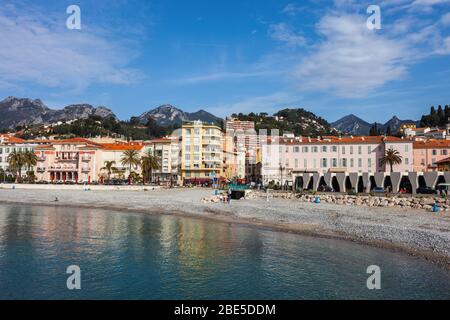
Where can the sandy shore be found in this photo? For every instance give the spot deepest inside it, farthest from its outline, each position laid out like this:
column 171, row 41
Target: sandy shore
column 417, row 232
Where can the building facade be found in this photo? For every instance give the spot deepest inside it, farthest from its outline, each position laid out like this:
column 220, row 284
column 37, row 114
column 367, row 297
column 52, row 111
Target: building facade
column 428, row 152
column 167, row 150
column 282, row 157
column 201, row 152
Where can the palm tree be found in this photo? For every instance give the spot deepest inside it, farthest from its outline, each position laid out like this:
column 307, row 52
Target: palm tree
column 131, row 158
column 30, row 160
column 110, row 168
column 149, row 162
column 16, row 161
column 391, row 157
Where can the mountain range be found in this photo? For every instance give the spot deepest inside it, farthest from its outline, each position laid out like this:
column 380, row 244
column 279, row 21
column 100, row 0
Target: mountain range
column 19, row 112
column 168, row 115
column 352, row 124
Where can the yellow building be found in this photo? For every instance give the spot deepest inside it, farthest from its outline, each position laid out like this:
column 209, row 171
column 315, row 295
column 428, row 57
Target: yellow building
column 201, row 152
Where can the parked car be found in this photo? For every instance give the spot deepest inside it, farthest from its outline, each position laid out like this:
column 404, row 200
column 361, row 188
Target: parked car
column 378, row 190
column 326, row 189
column 426, row 190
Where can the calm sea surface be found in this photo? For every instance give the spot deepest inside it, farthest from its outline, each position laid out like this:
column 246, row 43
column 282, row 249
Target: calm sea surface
column 138, row 256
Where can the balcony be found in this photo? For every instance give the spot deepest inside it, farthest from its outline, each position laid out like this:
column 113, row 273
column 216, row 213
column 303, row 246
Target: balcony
column 211, row 142
column 41, row 169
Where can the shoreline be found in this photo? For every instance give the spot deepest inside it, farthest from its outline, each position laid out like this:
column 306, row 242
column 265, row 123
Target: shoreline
column 221, row 213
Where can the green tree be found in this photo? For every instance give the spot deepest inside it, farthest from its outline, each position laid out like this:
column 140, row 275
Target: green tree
column 16, row 161
column 109, row 168
column 131, row 158
column 149, row 162
column 391, row 157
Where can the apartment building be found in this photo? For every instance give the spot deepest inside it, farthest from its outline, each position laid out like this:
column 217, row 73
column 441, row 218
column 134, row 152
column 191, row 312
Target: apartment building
column 9, row 144
column 284, row 156
column 428, row 153
column 201, row 152
column 167, row 150
column 245, row 140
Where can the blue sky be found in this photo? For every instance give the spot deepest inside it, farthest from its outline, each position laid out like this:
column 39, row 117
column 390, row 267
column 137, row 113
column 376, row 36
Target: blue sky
column 230, row 56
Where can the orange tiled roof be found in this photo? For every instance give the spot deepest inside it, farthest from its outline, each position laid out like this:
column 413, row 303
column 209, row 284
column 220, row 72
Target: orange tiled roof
column 341, row 140
column 160, row 140
column 121, row 146
column 431, row 144
column 446, row 160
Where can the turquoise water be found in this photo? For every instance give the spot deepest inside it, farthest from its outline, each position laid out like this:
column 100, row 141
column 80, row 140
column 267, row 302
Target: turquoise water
column 138, row 256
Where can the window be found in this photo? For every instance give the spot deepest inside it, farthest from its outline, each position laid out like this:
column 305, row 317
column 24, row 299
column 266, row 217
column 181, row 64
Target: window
column 296, row 149
column 406, row 161
column 324, row 148
column 406, row 148
column 369, row 150
column 334, row 163
column 314, row 149
column 343, row 150
column 287, row 149
column 352, row 162
column 359, row 163
column 324, row 162
column 187, row 148
column 344, row 162
column 187, row 157
column 444, row 152
column 305, row 149
column 434, row 152
column 334, row 148
column 287, row 163
column 359, row 150
column 369, row 163
column 351, row 149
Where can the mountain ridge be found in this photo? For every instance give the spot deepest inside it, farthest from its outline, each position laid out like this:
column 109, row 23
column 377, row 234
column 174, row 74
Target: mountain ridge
column 352, row 124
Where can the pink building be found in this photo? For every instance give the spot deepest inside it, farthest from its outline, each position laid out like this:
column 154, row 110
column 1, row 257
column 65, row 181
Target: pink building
column 428, row 152
column 78, row 160
column 287, row 156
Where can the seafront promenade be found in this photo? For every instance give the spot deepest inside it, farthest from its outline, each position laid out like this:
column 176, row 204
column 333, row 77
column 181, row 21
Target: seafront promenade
column 418, row 232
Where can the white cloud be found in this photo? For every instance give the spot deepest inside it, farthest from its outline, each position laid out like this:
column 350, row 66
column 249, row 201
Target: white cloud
column 352, row 61
column 446, row 19
column 291, row 9
column 284, row 33
column 37, row 48
column 221, row 75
